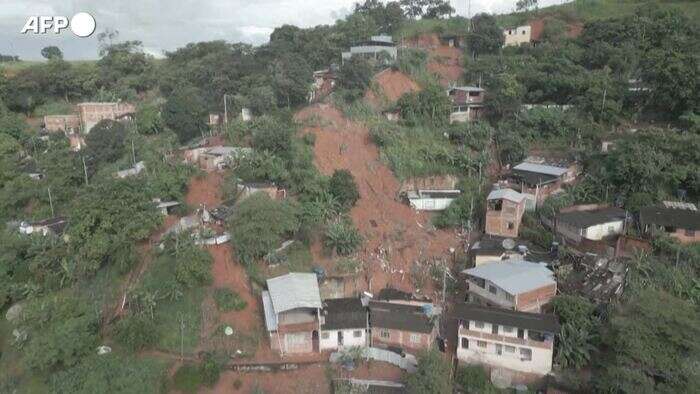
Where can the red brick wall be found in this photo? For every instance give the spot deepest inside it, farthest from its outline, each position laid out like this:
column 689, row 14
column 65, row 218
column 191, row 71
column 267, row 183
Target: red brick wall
column 402, row 339
column 529, row 301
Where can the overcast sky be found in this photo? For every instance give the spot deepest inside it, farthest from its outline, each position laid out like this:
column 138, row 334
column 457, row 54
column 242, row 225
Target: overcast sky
column 168, row 24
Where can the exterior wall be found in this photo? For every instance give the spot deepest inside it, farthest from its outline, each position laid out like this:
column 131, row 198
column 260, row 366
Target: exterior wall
column 92, row 113
column 431, row 204
column 349, row 339
column 482, row 293
column 436, row 182
column 56, row 123
column 468, row 114
column 685, row 236
column 534, row 300
column 402, row 339
column 517, row 35
column 371, row 51
column 541, row 193
column 497, row 222
column 600, row 231
column 293, row 342
column 510, row 356
column 569, row 232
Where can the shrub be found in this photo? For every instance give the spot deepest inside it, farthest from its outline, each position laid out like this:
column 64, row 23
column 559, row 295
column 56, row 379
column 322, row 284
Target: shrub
column 342, row 237
column 343, row 187
column 136, row 332
column 227, row 300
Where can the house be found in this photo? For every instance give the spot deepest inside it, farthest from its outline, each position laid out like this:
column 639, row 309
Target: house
column 135, row 170
column 504, row 211
column 431, row 200
column 76, row 141
column 432, row 182
column 589, row 222
column 292, row 306
column 373, row 48
column 92, row 113
column 494, row 248
column 678, row 220
column 467, row 103
column 55, row 226
column 395, row 296
column 222, row 212
column 247, row 189
column 409, row 327
column 516, row 36
column 518, row 285
column 165, row 207
column 62, row 123
column 219, row 157
column 214, row 120
column 452, row 41
column 324, row 83
column 537, row 181
column 520, row 342
column 344, row 324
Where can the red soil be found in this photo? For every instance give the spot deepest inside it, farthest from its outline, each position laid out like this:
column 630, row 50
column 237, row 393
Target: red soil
column 306, row 379
column 205, row 190
column 445, row 61
column 392, row 84
column 395, row 235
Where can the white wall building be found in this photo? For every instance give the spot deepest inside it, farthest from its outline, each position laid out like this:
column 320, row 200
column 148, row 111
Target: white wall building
column 431, row 200
column 593, row 225
column 343, row 324
column 498, row 338
column 517, row 35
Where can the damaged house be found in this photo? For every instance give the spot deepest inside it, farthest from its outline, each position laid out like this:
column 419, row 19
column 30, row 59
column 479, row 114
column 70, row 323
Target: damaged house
column 504, row 212
column 678, row 220
column 538, row 181
column 467, row 103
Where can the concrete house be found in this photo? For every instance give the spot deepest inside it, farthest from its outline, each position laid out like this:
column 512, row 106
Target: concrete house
column 467, row 103
column 516, row 36
column 373, row 48
column 53, row 226
column 432, row 182
column 678, row 220
column 389, row 294
column 135, row 170
column 518, row 285
column 344, row 324
column 579, row 223
column 165, row 207
column 492, row 248
column 247, row 189
column 292, row 306
column 408, row 327
column 537, row 181
column 519, row 342
column 504, row 211
column 431, row 200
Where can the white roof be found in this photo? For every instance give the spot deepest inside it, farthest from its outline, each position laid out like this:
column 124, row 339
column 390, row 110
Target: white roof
column 270, row 317
column 541, row 169
column 505, row 194
column 294, row 290
column 515, row 277
column 468, row 88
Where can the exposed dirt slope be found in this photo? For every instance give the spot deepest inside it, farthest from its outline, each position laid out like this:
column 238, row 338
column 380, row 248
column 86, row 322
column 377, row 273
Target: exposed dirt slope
column 395, row 235
column 392, row 85
column 445, row 61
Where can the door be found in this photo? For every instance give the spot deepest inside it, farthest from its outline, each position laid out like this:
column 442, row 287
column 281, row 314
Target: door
column 521, row 333
column 340, row 338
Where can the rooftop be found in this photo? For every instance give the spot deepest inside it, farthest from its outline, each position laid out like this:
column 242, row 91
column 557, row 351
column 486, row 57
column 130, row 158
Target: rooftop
column 541, row 169
column 344, row 313
column 525, row 320
column 399, row 317
column 467, row 88
column 294, row 290
column 391, row 294
column 584, row 219
column 683, row 218
column 515, row 277
column 505, row 194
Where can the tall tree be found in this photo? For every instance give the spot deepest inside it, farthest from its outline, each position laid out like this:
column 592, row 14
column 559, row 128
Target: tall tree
column 185, row 114
column 486, row 36
column 52, row 52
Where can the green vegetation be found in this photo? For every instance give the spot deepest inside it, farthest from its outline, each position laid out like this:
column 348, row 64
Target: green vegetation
column 432, row 376
column 342, row 237
column 227, row 300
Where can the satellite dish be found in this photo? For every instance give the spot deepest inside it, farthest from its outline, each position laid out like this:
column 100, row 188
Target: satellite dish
column 228, row 331
column 508, row 244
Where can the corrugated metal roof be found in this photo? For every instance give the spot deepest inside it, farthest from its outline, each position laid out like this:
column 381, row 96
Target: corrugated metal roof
column 531, row 321
column 505, row 194
column 270, row 316
column 541, row 169
column 514, row 277
column 294, row 290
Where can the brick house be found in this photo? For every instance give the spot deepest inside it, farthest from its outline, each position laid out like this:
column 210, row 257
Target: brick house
column 520, row 342
column 344, row 324
column 467, row 103
column 504, row 211
column 518, row 285
column 92, row 113
column 408, row 327
column 680, row 221
column 292, row 307
column 62, row 123
column 539, row 181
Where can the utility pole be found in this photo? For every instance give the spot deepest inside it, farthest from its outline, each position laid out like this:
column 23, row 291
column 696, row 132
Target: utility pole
column 225, row 110
column 605, row 93
column 182, row 337
column 133, row 152
column 85, row 171
column 51, row 202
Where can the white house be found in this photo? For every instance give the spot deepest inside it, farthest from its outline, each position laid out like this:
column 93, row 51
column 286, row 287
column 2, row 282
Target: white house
column 135, row 170
column 517, row 35
column 499, row 338
column 344, row 324
column 431, row 200
column 593, row 225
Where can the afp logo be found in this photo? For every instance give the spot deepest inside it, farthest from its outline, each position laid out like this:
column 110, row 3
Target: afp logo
column 82, row 24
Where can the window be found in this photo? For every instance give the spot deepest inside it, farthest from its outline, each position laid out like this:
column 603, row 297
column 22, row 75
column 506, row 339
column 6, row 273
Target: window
column 510, row 349
column 415, row 338
column 494, row 329
column 357, row 333
column 478, row 281
column 481, row 344
column 499, row 349
column 689, row 233
column 493, row 289
column 525, row 354
column 465, row 343
column 507, row 329
column 510, row 297
column 535, row 336
column 511, row 225
column 384, row 333
column 479, row 324
column 325, row 335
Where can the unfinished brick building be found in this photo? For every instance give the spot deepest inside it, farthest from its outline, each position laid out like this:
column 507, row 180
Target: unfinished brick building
column 504, row 211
